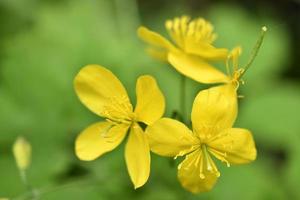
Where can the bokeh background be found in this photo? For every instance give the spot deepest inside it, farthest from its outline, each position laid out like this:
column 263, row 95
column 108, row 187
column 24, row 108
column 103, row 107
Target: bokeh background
column 43, row 44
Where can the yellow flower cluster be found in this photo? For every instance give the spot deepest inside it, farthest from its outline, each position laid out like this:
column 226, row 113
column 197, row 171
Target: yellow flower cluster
column 213, row 114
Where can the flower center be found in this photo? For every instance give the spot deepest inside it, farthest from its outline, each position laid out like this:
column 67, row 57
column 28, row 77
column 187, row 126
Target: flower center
column 119, row 110
column 207, row 162
column 235, row 80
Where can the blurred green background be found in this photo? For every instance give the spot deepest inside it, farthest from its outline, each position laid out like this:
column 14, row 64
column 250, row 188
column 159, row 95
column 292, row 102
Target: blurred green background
column 43, row 44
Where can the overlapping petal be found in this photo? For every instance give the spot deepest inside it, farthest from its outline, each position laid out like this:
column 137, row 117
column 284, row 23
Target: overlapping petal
column 187, row 33
column 196, row 68
column 169, row 137
column 98, row 139
column 207, row 51
column 161, row 55
column 154, row 38
column 102, row 92
column 237, row 144
column 150, row 100
column 214, row 110
column 189, row 174
column 234, row 57
column 137, row 156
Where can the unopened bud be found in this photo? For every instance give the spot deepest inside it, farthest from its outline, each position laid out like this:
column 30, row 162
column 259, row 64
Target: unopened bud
column 22, row 153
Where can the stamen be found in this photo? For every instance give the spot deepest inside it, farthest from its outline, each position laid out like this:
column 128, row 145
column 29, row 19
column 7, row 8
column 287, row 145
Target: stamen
column 219, row 155
column 210, row 164
column 186, row 151
column 179, row 166
column 184, row 31
column 104, row 132
column 197, row 160
column 208, row 131
column 173, row 27
column 214, row 167
column 201, row 174
column 111, row 136
column 118, row 110
column 191, row 163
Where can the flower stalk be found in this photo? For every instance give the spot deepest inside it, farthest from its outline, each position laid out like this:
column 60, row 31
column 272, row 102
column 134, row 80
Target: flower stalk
column 183, row 97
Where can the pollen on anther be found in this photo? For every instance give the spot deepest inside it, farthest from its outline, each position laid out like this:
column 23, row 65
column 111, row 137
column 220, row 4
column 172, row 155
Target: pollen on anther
column 264, row 28
column 202, row 176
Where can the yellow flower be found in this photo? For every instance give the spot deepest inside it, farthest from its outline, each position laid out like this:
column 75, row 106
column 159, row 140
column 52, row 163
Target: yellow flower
column 102, row 93
column 193, row 49
column 22, row 153
column 213, row 115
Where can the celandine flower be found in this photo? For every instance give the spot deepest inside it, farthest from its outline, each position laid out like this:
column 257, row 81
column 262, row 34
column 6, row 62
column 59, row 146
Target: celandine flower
column 213, row 115
column 101, row 92
column 193, row 49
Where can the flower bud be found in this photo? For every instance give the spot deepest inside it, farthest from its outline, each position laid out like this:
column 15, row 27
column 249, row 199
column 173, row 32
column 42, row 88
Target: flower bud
column 22, row 153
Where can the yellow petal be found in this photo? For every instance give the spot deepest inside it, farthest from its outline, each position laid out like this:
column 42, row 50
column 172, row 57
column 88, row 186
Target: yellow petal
column 195, row 37
column 150, row 100
column 190, row 177
column 154, row 38
column 237, row 143
column 234, row 56
column 22, row 153
column 183, row 31
column 207, row 51
column 196, row 68
column 168, row 137
column 177, row 29
column 161, row 55
column 98, row 139
column 102, row 92
column 214, row 110
column 137, row 155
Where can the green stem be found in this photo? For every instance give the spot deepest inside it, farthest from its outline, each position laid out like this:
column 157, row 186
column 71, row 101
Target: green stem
column 47, row 190
column 127, row 16
column 30, row 190
column 182, row 97
column 255, row 50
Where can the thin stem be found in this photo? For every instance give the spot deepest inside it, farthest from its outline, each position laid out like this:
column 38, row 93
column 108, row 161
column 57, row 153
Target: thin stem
column 30, row 190
column 182, row 97
column 47, row 190
column 255, row 49
column 127, row 17
column 68, row 185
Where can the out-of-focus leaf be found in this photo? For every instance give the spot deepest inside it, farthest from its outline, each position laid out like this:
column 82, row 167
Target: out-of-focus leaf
column 273, row 116
column 251, row 181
